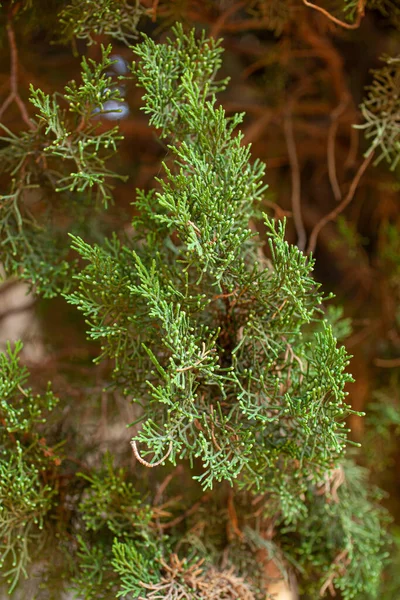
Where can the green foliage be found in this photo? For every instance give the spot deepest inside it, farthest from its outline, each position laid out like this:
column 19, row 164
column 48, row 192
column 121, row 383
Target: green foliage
column 390, row 257
column 20, row 410
column 341, row 326
column 93, row 577
column 135, row 570
column 337, row 542
column 118, row 548
column 383, row 426
column 340, row 536
column 179, row 78
column 391, row 583
column 89, row 18
column 25, row 501
column 351, row 8
column 64, row 152
column 381, row 109
column 83, row 145
column 27, row 468
column 120, row 502
column 207, row 334
column 348, row 234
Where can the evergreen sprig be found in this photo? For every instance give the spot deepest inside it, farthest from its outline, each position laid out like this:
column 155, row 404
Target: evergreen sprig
column 340, row 541
column 64, row 153
column 20, row 409
column 381, row 111
column 118, row 546
column 217, row 344
column 27, row 468
column 25, row 501
column 88, row 18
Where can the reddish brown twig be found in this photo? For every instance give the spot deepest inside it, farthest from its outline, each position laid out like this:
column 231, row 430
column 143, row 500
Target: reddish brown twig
column 187, row 513
column 154, row 10
column 327, row 52
column 278, row 210
column 256, row 129
column 341, row 561
column 164, row 484
column 226, row 295
column 355, row 25
column 335, row 114
column 219, row 23
column 245, row 25
column 14, row 94
column 233, row 523
column 387, row 363
column 334, row 213
column 353, row 148
column 296, row 182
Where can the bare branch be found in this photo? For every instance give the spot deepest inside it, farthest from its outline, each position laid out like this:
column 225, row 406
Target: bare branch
column 387, row 363
column 335, row 114
column 334, row 213
column 14, row 94
column 296, row 182
column 355, row 25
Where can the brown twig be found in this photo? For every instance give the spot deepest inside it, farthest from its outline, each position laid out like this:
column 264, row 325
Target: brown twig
column 355, row 25
column 335, row 114
column 279, row 309
column 328, row 53
column 154, row 10
column 187, row 513
column 353, row 148
column 254, row 131
column 334, row 213
column 203, row 355
column 218, row 296
column 14, row 94
column 23, row 392
column 387, row 363
column 219, row 23
column 145, row 462
column 233, row 523
column 164, row 484
column 218, row 447
column 278, row 210
column 245, row 25
column 343, row 558
column 296, row 182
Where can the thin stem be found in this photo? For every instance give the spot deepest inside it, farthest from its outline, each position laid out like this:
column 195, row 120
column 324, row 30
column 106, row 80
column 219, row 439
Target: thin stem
column 331, row 147
column 353, row 148
column 219, row 23
column 355, row 25
column 334, row 213
column 387, row 363
column 14, row 94
column 154, row 10
column 296, row 182
column 186, row 514
column 164, row 484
